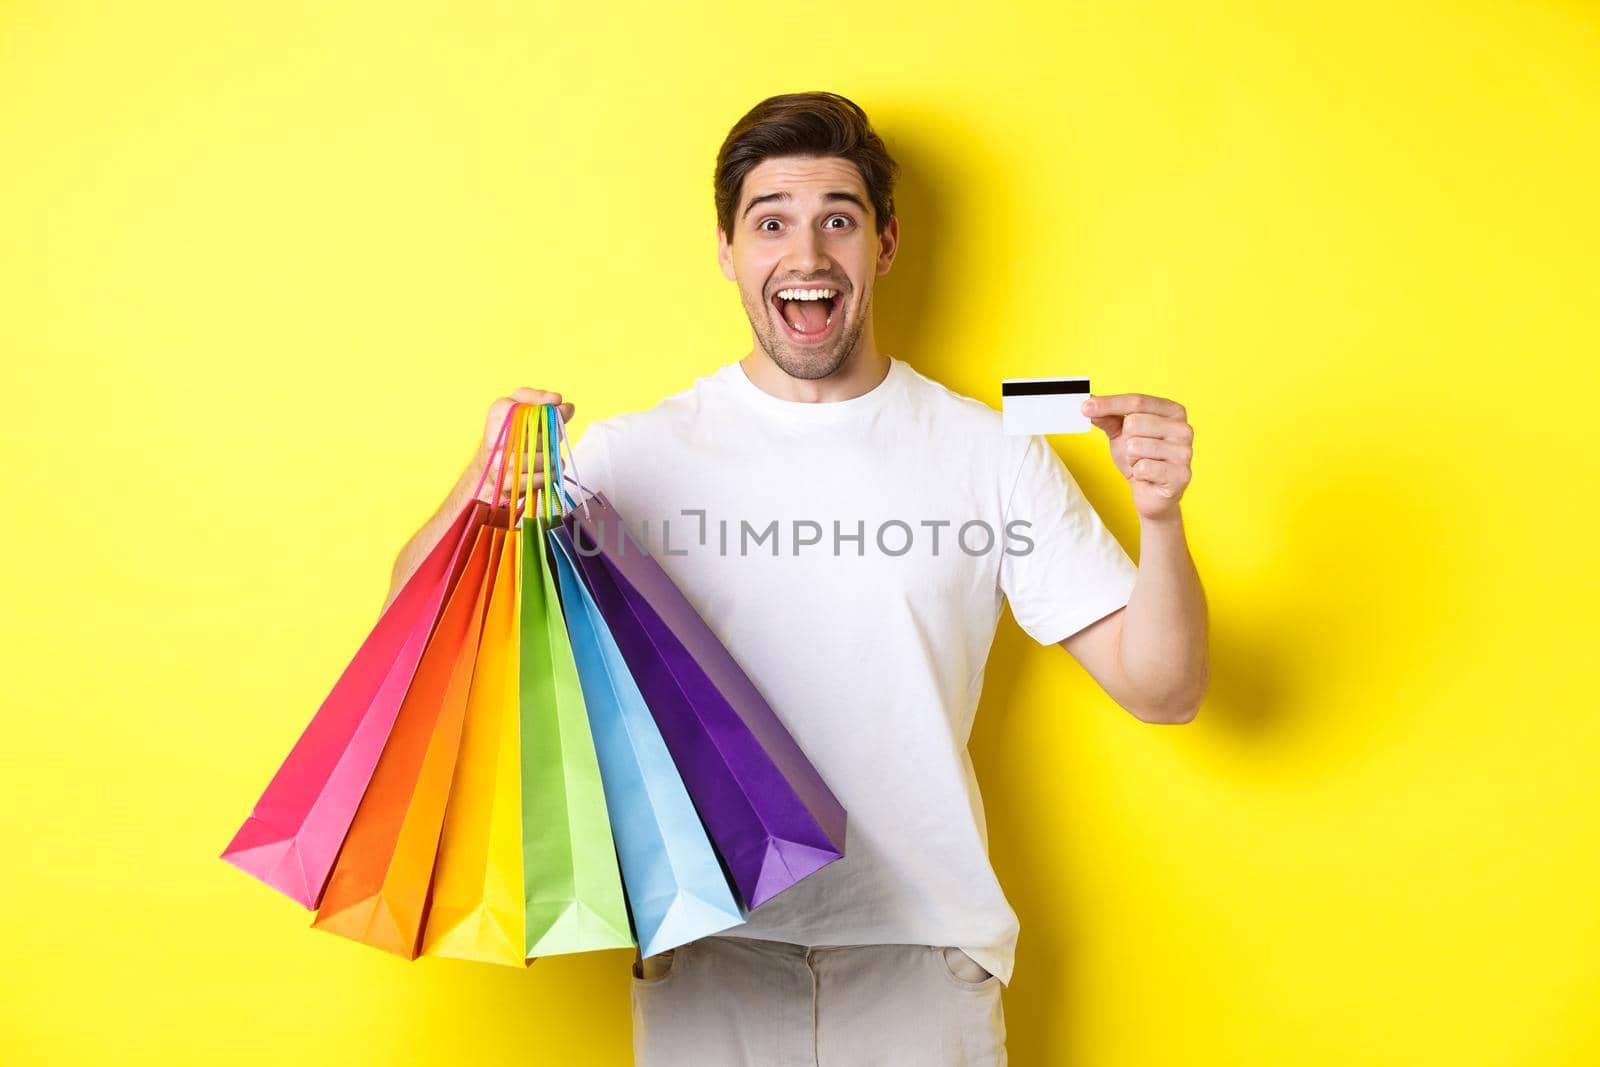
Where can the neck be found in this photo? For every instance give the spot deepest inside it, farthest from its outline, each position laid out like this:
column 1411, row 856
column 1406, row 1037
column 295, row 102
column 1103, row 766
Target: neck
column 862, row 372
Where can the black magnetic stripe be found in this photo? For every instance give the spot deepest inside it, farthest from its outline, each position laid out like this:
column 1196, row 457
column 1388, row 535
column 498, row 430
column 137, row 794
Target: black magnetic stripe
column 1042, row 388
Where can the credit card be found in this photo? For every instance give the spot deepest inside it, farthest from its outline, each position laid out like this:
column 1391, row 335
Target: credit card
column 1044, row 405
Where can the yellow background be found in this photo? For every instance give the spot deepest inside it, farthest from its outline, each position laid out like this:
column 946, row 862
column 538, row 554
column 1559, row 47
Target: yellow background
column 264, row 266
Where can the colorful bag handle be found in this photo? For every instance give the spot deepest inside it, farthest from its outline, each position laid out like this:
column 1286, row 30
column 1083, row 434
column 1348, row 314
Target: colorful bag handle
column 554, row 436
column 516, row 459
column 542, row 444
column 518, row 447
column 561, row 430
column 549, row 504
column 499, row 443
column 512, row 460
column 553, row 474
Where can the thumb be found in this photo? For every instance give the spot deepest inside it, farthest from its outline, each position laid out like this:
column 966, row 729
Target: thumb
column 1111, row 424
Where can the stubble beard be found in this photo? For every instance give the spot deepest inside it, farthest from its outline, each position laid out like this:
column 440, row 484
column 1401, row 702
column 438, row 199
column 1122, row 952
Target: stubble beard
column 809, row 365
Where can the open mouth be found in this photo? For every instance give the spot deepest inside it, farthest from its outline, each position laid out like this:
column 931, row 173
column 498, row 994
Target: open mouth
column 808, row 316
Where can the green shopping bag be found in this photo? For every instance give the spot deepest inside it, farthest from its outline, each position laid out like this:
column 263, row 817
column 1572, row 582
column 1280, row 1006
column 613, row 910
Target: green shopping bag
column 572, row 882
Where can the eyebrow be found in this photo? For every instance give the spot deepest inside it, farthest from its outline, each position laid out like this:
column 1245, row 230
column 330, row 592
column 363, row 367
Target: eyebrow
column 837, row 194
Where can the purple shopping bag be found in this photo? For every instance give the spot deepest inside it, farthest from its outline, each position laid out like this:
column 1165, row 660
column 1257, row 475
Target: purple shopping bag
column 766, row 809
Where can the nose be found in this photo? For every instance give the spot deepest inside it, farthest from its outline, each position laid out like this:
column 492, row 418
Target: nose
column 808, row 256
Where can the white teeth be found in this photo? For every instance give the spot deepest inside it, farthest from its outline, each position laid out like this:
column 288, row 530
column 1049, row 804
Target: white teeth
column 806, row 294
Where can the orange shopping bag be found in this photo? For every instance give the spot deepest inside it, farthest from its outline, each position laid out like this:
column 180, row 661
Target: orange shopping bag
column 293, row 835
column 379, row 884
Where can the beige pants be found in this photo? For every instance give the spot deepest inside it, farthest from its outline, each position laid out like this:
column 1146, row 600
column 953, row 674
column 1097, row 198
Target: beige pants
column 738, row 1002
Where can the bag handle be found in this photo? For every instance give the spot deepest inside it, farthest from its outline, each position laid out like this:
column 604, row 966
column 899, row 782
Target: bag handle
column 511, row 462
column 544, row 440
column 549, row 507
column 561, row 426
column 554, row 469
column 517, row 448
column 554, row 436
column 499, row 443
column 515, row 459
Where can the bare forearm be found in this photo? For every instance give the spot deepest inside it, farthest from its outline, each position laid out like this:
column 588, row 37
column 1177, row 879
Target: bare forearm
column 1164, row 646
column 425, row 539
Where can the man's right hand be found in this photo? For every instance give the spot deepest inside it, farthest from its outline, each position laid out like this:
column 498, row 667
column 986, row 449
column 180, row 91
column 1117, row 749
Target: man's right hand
column 487, row 459
column 489, row 455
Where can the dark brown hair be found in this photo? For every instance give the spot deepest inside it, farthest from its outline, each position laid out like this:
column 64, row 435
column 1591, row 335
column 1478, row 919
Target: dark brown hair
column 805, row 124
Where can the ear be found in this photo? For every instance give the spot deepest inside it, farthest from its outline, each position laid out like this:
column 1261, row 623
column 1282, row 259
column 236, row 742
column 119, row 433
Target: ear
column 888, row 244
column 725, row 255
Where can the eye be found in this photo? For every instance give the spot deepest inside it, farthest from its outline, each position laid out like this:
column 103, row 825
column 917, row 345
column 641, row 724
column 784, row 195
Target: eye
column 846, row 218
column 762, row 225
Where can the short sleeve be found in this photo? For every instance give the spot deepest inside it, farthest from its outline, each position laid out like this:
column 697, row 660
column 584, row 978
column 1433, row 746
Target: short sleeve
column 1062, row 569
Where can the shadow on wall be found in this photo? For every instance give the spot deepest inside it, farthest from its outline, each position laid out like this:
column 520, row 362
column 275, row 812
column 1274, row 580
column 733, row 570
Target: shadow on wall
column 1330, row 554
column 919, row 279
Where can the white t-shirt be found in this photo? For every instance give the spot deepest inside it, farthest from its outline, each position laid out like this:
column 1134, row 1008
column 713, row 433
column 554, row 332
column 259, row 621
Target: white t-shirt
column 852, row 557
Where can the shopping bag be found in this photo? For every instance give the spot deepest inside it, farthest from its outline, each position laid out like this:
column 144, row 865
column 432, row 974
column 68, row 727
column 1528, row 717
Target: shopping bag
column 293, row 833
column 475, row 908
column 768, row 812
column 676, row 888
column 379, row 885
column 573, row 884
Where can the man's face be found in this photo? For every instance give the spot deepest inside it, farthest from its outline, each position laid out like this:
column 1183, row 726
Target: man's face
column 805, row 223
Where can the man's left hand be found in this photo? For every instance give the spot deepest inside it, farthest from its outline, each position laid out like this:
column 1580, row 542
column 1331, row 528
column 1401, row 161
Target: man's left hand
column 1151, row 444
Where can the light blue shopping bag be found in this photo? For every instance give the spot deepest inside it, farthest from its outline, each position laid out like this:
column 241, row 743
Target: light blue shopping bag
column 676, row 888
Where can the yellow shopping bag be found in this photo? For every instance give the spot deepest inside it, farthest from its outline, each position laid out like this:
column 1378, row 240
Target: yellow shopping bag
column 476, row 910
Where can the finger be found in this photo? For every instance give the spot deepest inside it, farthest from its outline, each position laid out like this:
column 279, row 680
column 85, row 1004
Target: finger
column 530, row 482
column 497, row 413
column 1111, row 424
column 502, row 405
column 1157, row 448
column 535, row 396
column 531, row 478
column 498, row 456
column 1143, row 424
column 1159, row 472
column 1129, row 403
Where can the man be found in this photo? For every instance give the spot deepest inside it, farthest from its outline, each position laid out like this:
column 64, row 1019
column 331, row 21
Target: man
column 848, row 528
